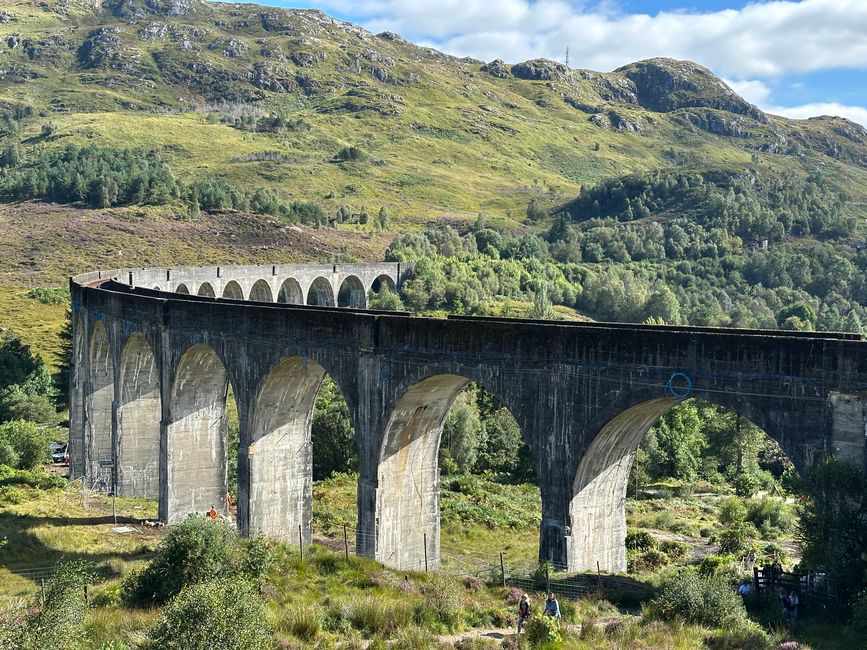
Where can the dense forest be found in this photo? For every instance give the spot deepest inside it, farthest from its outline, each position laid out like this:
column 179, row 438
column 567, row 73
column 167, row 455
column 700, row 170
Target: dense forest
column 667, row 247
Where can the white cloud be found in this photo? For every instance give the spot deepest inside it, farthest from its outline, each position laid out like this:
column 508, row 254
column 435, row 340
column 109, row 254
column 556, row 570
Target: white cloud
column 854, row 113
column 753, row 90
column 760, row 40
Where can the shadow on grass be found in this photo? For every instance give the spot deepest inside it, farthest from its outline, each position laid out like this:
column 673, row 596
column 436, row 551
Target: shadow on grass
column 27, row 556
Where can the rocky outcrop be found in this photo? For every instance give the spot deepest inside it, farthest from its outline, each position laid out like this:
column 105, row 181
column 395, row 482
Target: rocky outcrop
column 614, row 121
column 497, row 68
column 231, row 47
column 272, row 78
column 104, row 50
column 718, row 123
column 666, row 85
column 141, row 9
column 582, row 106
column 307, row 59
column 611, row 88
column 541, row 70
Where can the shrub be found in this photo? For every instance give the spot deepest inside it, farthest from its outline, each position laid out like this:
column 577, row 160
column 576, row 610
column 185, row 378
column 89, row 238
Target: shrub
column 702, row 600
column 196, row 550
column 770, row 516
column 28, row 441
column 39, row 479
column 711, row 565
column 639, row 540
column 49, row 295
column 773, row 551
column 650, row 560
column 223, row 614
column 737, row 538
column 351, row 154
column 732, row 511
column 60, row 621
column 541, row 630
column 674, row 550
column 746, row 485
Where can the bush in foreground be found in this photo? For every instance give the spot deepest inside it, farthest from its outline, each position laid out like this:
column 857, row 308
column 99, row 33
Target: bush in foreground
column 194, row 551
column 703, row 600
column 59, row 622
column 226, row 614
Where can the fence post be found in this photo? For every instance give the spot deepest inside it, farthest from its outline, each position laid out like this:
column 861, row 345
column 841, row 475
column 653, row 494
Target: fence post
column 547, row 580
column 300, row 543
column 502, row 568
column 345, row 543
column 598, row 577
column 425, row 552
column 42, row 582
column 86, row 597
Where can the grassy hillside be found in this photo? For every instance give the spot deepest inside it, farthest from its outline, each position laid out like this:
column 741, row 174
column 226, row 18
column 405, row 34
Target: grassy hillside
column 443, row 135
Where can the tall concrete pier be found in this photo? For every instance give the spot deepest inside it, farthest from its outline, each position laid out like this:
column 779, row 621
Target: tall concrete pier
column 155, row 351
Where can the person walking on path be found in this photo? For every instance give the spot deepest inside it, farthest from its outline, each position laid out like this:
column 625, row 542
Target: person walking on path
column 523, row 612
column 552, row 607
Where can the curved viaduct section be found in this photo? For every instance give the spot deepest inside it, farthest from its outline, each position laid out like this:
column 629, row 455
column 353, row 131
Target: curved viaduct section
column 152, row 366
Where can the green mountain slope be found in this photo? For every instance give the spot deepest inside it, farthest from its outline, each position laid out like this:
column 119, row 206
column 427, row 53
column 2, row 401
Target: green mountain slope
column 268, row 97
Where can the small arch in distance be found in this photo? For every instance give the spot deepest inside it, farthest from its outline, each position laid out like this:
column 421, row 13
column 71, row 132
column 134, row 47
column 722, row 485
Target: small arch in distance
column 206, row 290
column 290, row 292
column 182, row 289
column 261, row 292
column 351, row 293
column 233, row 291
column 320, row 293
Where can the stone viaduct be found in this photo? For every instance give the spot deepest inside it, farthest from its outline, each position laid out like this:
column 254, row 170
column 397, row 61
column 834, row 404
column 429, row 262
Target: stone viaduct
column 155, row 350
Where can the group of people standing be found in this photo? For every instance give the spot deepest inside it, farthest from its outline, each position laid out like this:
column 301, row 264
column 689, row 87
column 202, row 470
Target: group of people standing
column 552, row 609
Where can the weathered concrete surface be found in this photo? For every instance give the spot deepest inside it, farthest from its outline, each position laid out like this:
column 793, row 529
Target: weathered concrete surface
column 99, row 408
column 582, row 394
column 280, row 454
column 196, row 455
column 138, row 421
column 408, row 504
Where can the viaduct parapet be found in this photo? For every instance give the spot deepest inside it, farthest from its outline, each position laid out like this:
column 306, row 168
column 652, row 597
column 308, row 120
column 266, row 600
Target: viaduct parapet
column 155, row 350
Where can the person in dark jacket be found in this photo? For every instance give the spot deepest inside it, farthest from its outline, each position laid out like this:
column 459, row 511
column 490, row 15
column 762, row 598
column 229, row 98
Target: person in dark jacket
column 523, row 612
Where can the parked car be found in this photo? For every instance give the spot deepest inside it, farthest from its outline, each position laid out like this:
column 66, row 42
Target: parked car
column 59, row 453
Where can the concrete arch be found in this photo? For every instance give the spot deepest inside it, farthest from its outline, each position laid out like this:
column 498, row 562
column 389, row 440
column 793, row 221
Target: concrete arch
column 597, row 511
column 320, row 293
column 382, row 281
column 99, row 404
column 233, row 291
column 291, row 292
column 352, row 294
column 206, row 290
column 138, row 420
column 182, row 289
column 408, row 476
column 197, row 430
column 261, row 292
column 280, row 454
column 157, row 289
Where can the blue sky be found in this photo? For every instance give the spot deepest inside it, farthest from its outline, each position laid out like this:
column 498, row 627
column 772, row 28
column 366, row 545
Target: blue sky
column 792, row 57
